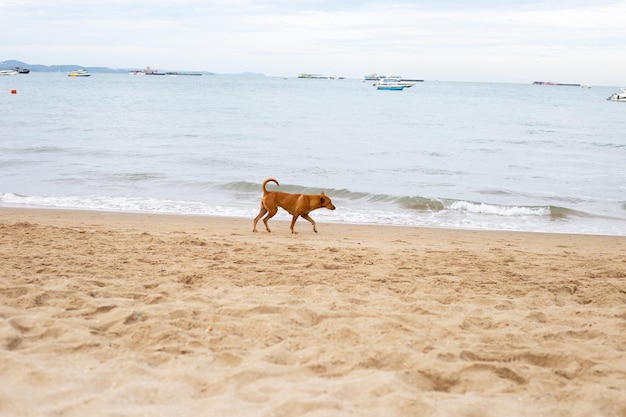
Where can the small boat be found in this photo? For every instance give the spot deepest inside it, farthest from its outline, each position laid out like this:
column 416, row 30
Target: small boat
column 372, row 77
column 152, row 71
column 22, row 70
column 79, row 73
column 377, row 77
column 8, row 72
column 618, row 96
column 393, row 84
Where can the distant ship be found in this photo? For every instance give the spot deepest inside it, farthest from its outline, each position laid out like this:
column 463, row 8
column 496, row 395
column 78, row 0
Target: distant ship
column 150, row 71
column 176, row 73
column 551, row 83
column 377, row 77
column 320, row 77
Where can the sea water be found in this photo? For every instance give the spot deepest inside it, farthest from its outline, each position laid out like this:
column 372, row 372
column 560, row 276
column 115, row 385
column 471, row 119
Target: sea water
column 439, row 154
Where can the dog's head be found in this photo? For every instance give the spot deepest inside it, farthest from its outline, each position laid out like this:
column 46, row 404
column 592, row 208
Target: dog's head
column 325, row 202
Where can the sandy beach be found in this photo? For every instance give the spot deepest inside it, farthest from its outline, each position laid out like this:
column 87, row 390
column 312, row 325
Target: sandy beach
column 106, row 314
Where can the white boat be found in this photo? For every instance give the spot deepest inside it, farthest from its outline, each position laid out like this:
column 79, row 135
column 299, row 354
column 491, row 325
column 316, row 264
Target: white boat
column 377, row 77
column 79, row 73
column 618, row 96
column 150, row 71
column 9, row 72
column 147, row 71
column 394, row 84
column 373, row 77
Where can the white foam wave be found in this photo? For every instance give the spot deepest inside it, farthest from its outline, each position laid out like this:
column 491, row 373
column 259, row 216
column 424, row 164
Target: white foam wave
column 509, row 211
column 459, row 215
column 122, row 204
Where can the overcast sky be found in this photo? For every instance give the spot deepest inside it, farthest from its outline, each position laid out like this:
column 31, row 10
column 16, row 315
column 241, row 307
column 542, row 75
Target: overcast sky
column 581, row 41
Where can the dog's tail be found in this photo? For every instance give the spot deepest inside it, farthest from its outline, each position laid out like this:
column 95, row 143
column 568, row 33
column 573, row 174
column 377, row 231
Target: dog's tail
column 265, row 183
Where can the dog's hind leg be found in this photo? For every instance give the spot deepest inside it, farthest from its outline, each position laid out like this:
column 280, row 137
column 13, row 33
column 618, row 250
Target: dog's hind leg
column 307, row 217
column 257, row 218
column 270, row 213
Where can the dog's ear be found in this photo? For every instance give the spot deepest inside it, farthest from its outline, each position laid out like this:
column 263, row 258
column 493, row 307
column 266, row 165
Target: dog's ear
column 322, row 199
column 323, row 193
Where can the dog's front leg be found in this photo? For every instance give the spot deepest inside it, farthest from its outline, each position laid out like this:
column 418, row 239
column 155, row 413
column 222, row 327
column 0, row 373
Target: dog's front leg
column 306, row 216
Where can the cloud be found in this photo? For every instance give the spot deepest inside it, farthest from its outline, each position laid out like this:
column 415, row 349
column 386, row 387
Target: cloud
column 511, row 40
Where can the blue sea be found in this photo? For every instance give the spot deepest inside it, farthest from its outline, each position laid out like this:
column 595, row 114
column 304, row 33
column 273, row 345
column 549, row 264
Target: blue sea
column 439, row 154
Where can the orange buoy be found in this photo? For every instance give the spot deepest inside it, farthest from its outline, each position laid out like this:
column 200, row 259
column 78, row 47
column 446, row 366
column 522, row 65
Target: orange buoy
column 13, row 91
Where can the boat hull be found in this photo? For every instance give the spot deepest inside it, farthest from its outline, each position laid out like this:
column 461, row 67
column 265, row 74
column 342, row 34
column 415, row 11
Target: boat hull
column 393, row 84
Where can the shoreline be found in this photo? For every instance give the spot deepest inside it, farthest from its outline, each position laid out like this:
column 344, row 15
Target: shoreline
column 61, row 213
column 196, row 315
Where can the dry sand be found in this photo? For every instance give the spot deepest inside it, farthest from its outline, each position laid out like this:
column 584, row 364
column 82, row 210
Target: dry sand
column 133, row 315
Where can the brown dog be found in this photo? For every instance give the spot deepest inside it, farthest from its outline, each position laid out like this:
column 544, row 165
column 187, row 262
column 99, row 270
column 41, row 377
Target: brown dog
column 298, row 205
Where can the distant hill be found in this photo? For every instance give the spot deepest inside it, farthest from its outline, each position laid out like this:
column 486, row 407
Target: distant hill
column 11, row 63
column 55, row 68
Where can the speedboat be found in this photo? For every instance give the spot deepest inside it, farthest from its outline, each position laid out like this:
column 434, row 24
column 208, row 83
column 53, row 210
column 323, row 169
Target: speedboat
column 618, row 96
column 79, row 73
column 14, row 71
column 394, row 84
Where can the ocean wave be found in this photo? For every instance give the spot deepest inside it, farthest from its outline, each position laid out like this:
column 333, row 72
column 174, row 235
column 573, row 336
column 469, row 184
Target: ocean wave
column 609, row 145
column 421, row 203
column 255, row 187
column 414, row 203
column 126, row 204
column 406, row 211
column 500, row 210
column 40, row 150
column 242, row 186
